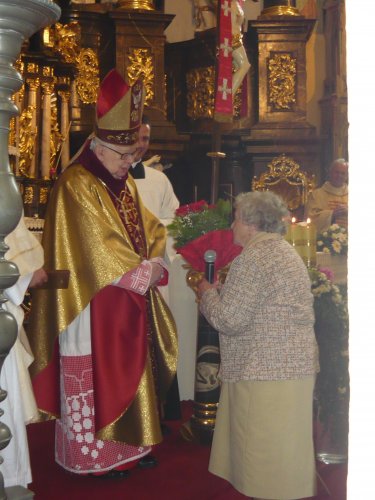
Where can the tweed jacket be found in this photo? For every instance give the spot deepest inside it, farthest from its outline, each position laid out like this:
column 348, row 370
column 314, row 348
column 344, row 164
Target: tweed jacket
column 264, row 314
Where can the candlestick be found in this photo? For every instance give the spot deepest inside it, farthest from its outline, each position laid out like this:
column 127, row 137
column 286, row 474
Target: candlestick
column 293, row 234
column 305, row 244
column 311, row 244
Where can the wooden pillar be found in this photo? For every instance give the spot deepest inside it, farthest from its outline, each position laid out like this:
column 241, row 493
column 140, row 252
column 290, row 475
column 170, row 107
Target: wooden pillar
column 140, row 42
column 282, row 74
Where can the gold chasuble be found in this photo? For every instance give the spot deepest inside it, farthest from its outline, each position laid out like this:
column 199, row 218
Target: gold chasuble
column 84, row 233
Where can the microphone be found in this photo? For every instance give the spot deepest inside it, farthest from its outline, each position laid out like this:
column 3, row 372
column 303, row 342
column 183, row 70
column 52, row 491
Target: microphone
column 209, row 258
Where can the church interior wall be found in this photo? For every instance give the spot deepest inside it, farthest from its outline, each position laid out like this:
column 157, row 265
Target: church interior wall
column 173, row 48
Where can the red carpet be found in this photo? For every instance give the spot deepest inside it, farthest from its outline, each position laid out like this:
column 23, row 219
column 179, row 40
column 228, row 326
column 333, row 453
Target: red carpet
column 181, row 474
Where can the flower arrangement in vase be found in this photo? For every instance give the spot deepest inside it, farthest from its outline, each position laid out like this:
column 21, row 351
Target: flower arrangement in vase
column 332, row 384
column 333, row 241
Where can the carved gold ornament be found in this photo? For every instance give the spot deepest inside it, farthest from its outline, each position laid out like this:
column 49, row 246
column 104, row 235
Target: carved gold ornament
column 140, row 65
column 27, row 140
column 33, row 83
column 28, row 195
column 285, row 178
column 32, row 68
column 87, row 82
column 282, row 70
column 43, row 195
column 56, row 138
column 200, row 92
column 64, row 39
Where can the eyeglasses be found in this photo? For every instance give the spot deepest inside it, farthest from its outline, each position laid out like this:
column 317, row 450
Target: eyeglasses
column 123, row 156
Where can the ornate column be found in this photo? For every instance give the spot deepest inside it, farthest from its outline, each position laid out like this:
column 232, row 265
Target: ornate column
column 33, row 85
column 48, row 88
column 64, row 94
column 19, row 19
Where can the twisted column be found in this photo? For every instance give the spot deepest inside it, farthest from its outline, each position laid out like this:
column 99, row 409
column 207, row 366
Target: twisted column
column 19, row 19
column 33, row 84
column 65, row 126
column 46, row 130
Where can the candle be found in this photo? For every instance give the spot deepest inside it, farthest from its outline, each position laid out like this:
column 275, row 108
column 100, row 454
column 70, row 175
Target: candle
column 311, row 244
column 293, row 233
column 304, row 242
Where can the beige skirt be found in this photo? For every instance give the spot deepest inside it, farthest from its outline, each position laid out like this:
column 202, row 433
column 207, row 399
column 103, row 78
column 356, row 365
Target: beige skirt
column 263, row 440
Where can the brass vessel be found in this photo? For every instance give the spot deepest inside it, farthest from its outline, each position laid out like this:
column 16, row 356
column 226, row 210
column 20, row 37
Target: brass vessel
column 136, row 4
column 279, row 8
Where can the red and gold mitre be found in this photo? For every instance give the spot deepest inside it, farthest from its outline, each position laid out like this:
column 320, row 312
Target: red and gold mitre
column 119, row 109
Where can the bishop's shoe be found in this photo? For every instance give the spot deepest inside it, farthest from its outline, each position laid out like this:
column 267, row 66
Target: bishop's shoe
column 147, row 462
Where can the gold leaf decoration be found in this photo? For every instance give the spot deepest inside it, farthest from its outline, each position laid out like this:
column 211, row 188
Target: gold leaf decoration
column 140, row 65
column 282, row 69
column 87, row 81
column 200, row 92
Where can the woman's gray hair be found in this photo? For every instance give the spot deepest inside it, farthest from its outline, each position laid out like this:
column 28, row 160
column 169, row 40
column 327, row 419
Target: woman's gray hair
column 264, row 209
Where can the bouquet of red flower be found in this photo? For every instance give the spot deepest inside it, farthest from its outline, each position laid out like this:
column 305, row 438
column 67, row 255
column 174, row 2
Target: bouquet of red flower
column 199, row 227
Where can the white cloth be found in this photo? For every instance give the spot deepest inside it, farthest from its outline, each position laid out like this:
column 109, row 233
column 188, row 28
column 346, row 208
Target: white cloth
column 19, row 406
column 158, row 196
column 185, row 312
column 322, row 202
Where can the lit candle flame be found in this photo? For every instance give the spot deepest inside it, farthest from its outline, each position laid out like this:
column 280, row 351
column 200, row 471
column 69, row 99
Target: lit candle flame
column 293, row 220
column 308, row 221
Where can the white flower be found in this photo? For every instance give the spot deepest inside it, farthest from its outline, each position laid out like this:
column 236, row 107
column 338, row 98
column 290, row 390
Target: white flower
column 337, row 299
column 341, row 237
column 334, row 227
column 326, row 250
column 336, row 245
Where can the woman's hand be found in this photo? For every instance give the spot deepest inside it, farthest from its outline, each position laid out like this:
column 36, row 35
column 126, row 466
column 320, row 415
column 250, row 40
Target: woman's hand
column 204, row 285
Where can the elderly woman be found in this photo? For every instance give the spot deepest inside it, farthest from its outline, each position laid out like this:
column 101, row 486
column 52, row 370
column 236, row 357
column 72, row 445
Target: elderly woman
column 263, row 441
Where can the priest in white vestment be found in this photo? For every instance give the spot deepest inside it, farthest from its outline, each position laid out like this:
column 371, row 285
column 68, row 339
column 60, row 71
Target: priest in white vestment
column 329, row 204
column 19, row 406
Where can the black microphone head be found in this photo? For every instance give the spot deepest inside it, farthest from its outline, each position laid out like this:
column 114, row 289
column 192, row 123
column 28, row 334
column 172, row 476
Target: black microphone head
column 210, row 256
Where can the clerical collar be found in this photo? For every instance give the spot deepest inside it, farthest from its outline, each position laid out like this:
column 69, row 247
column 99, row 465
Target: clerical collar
column 138, row 171
column 91, row 162
column 338, row 191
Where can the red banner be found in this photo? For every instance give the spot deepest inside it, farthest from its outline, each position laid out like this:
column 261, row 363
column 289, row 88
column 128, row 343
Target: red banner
column 223, row 90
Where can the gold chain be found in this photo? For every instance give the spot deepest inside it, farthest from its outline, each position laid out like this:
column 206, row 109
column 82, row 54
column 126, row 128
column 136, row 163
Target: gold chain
column 113, row 194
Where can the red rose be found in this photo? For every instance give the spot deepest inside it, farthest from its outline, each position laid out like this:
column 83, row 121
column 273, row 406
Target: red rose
column 198, row 206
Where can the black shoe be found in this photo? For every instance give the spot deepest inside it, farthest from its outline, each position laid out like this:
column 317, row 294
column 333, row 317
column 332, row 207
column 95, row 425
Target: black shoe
column 112, row 474
column 147, row 462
